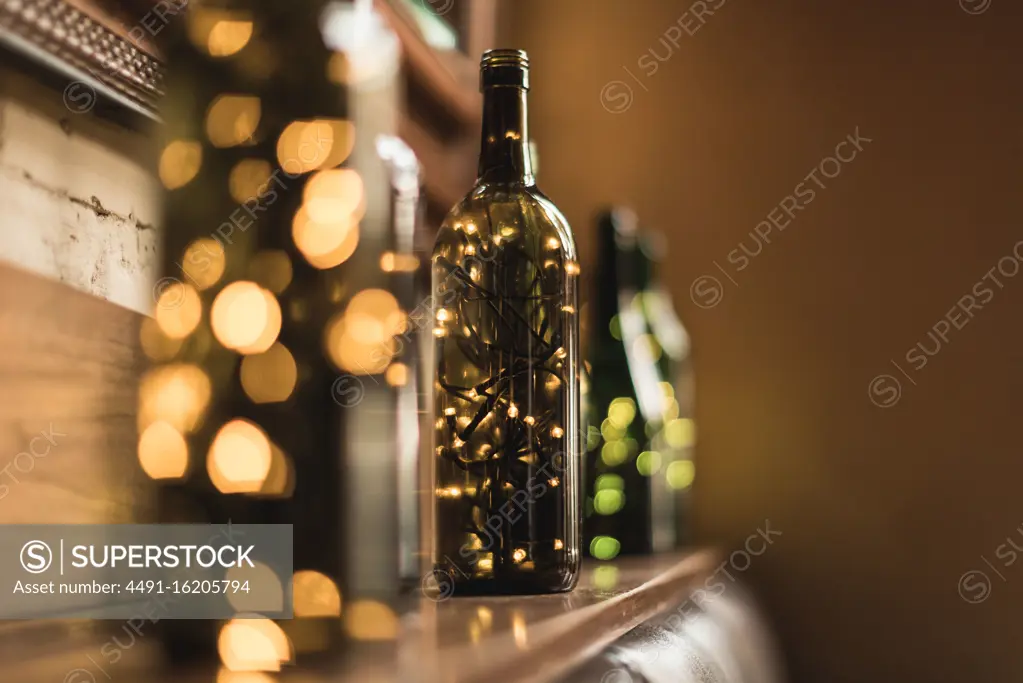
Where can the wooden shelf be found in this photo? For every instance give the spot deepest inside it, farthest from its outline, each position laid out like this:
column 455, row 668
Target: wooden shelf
column 535, row 639
column 540, row 638
column 442, row 118
column 443, row 75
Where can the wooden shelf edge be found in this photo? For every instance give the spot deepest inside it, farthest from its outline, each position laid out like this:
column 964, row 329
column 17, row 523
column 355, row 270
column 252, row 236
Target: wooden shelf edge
column 563, row 638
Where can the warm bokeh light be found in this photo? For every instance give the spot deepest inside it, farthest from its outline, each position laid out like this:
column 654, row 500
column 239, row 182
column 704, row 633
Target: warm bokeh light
column 391, row 262
column 269, row 377
column 219, row 32
column 324, row 245
column 269, row 596
column 341, row 134
column 228, row 37
column 248, row 179
column 180, row 162
column 155, row 344
column 271, row 269
column 280, row 481
column 176, row 394
column 204, row 262
column 351, row 355
column 306, row 146
column 373, row 316
column 232, row 120
column 163, row 452
column 397, row 375
column 315, row 595
column 361, row 340
column 255, row 644
column 371, row 620
column 228, row 676
column 178, row 310
column 245, row 317
column 334, row 195
column 239, row 458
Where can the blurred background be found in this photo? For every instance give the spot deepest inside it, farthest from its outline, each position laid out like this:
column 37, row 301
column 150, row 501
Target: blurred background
column 837, row 186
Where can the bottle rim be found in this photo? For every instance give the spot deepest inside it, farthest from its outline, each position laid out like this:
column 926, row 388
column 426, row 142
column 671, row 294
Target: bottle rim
column 505, row 57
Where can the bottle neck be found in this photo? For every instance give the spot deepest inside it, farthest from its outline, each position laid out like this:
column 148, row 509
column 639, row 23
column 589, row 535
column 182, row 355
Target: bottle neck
column 504, row 149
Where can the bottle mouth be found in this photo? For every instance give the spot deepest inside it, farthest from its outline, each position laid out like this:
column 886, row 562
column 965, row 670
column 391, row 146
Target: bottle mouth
column 517, row 58
column 504, row 68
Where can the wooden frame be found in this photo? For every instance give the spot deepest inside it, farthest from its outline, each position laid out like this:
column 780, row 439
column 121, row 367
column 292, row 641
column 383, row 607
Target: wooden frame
column 100, row 58
column 77, row 45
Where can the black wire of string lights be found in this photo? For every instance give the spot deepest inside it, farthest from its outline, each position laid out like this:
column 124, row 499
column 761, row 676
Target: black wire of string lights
column 512, row 326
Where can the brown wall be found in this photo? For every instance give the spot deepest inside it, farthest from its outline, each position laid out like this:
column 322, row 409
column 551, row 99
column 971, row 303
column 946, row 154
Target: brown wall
column 882, row 510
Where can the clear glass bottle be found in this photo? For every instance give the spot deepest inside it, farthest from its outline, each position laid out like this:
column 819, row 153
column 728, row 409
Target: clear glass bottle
column 675, row 442
column 507, row 434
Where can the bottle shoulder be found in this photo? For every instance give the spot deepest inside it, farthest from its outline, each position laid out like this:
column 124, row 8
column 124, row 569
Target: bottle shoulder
column 497, row 212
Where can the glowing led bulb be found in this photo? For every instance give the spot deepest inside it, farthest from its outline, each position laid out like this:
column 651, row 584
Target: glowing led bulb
column 519, row 555
column 513, row 410
column 470, row 250
column 529, row 420
column 553, row 243
column 557, row 432
column 449, row 411
column 443, row 314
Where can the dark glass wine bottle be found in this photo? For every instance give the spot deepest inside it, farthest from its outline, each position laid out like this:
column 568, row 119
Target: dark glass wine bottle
column 626, row 403
column 507, row 435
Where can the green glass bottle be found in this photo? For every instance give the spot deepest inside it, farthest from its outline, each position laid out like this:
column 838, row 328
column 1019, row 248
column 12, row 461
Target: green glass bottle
column 626, row 404
column 507, row 435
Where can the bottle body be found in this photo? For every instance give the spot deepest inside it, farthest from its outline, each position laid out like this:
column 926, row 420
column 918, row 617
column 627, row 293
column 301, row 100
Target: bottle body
column 506, row 395
column 625, row 513
column 673, row 480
